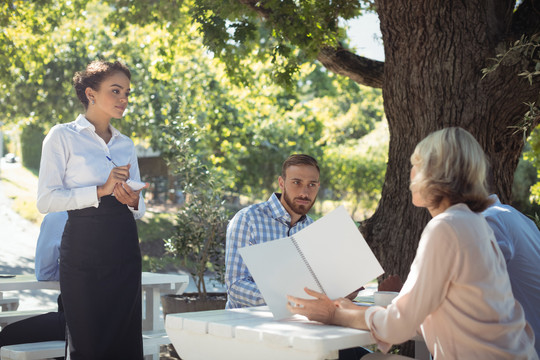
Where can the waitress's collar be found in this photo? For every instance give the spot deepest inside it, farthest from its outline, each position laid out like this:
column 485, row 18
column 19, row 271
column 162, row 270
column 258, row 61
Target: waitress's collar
column 82, row 123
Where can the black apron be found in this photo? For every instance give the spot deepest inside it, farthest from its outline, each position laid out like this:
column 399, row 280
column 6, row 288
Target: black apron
column 100, row 283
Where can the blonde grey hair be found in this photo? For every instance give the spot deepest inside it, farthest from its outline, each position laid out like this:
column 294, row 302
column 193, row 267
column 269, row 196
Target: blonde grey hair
column 451, row 164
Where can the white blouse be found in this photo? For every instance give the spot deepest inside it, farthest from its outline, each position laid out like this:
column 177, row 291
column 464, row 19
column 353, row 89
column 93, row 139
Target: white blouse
column 457, row 294
column 75, row 160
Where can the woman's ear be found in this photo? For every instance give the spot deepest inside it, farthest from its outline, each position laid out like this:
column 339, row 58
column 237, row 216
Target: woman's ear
column 90, row 95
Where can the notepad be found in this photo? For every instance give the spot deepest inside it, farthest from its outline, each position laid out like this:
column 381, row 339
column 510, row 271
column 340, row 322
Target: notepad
column 135, row 185
column 329, row 256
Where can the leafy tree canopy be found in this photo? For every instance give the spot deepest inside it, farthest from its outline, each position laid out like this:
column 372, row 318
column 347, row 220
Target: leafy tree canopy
column 243, row 131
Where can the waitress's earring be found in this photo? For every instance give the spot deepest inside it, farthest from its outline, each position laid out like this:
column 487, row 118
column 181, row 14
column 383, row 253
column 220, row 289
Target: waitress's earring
column 93, row 102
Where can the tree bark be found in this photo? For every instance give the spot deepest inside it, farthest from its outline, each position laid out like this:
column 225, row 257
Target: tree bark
column 434, row 54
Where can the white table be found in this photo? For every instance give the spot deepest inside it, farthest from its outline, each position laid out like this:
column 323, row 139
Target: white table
column 252, row 333
column 21, row 283
column 26, row 282
column 153, row 286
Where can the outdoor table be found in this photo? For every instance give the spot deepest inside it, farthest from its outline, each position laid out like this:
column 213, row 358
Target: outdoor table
column 249, row 333
column 153, row 286
column 252, row 332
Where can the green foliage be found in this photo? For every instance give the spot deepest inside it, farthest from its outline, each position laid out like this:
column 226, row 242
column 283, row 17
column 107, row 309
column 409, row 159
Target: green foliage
column 292, row 34
column 356, row 169
column 525, row 48
column 36, row 59
column 536, row 219
column 524, row 191
column 201, row 222
column 242, row 130
column 5, row 142
column 31, row 139
column 152, row 229
column 526, row 177
column 531, row 157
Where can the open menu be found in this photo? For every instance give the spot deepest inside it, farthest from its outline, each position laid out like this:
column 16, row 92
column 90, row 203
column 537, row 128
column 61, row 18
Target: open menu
column 329, row 256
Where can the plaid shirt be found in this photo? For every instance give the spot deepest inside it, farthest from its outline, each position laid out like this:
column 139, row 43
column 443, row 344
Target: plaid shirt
column 252, row 225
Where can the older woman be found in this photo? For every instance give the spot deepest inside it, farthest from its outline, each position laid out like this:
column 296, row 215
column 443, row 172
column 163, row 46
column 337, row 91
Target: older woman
column 457, row 294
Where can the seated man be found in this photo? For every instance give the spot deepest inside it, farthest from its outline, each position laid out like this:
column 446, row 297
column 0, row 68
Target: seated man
column 52, row 325
column 281, row 216
column 519, row 240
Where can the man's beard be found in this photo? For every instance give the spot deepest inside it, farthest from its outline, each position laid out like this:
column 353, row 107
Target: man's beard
column 297, row 208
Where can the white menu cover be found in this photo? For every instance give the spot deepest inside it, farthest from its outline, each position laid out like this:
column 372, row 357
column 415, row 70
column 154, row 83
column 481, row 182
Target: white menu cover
column 329, row 256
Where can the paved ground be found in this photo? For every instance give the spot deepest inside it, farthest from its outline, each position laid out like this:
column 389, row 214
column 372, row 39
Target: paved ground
column 18, row 238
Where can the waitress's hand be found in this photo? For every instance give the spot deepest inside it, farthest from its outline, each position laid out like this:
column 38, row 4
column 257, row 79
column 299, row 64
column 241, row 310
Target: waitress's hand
column 125, row 195
column 117, row 175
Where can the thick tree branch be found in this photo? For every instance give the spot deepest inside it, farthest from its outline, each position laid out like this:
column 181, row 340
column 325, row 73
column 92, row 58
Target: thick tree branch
column 339, row 60
column 362, row 70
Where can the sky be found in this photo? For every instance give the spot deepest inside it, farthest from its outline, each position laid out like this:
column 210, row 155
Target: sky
column 365, row 34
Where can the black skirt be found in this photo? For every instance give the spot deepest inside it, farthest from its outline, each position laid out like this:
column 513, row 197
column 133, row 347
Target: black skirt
column 100, row 283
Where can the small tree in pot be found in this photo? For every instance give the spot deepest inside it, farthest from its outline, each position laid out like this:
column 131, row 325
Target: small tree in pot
column 199, row 237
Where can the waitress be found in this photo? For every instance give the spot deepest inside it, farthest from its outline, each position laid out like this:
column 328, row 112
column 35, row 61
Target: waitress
column 84, row 168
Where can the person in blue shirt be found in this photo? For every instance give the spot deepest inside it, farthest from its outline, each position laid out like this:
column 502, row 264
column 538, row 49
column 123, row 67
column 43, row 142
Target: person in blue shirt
column 519, row 240
column 284, row 214
column 52, row 325
column 48, row 246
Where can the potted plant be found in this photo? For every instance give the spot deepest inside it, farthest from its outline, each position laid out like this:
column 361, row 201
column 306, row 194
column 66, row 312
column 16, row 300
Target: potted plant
column 199, row 237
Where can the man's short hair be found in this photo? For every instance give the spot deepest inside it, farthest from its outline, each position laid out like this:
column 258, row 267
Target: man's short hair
column 450, row 163
column 299, row 159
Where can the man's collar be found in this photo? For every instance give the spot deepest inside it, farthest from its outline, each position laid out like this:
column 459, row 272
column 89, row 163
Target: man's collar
column 495, row 199
column 279, row 211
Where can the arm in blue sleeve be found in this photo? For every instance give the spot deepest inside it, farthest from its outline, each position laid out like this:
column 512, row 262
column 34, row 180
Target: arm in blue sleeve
column 502, row 236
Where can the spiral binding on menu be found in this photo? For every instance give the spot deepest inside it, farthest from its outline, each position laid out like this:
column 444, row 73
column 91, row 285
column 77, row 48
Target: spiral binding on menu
column 307, row 265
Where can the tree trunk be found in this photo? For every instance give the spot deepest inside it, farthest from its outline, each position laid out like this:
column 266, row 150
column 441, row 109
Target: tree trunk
column 435, row 51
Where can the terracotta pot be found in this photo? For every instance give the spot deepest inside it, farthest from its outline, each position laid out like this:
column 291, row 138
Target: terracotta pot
column 189, row 302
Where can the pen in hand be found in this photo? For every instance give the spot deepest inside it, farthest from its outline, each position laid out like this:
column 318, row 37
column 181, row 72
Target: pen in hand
column 133, row 184
column 108, row 158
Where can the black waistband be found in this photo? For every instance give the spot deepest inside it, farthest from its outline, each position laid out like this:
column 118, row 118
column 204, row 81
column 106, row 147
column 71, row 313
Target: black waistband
column 108, row 205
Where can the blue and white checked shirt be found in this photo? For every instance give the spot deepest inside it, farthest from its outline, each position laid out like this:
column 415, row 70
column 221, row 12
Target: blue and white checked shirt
column 252, row 225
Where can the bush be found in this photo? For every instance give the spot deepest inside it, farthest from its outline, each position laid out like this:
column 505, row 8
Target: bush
column 201, row 223
column 31, row 139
